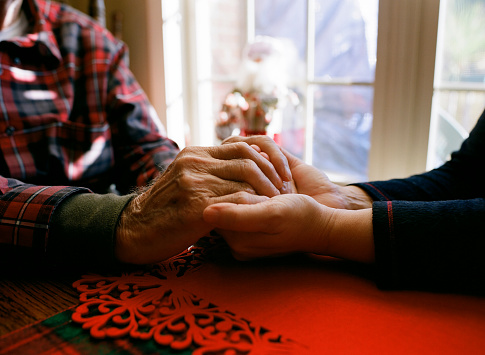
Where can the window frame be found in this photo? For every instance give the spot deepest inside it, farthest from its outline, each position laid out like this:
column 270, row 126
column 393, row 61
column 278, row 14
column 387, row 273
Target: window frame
column 403, row 86
column 406, row 52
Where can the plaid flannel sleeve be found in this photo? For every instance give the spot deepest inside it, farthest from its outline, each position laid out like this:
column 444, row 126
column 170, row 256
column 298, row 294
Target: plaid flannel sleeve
column 141, row 147
column 25, row 213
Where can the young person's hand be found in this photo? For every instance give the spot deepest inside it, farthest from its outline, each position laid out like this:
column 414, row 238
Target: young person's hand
column 293, row 223
column 310, row 181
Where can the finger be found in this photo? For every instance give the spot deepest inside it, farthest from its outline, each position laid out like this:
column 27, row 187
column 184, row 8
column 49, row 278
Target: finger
column 225, row 162
column 267, row 145
column 287, row 188
column 242, row 150
column 221, row 188
column 242, row 218
column 258, row 149
column 245, row 170
column 274, row 152
column 239, row 198
column 292, row 160
column 265, row 156
column 206, row 184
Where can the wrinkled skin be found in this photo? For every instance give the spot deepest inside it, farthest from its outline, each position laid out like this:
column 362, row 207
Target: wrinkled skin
column 167, row 218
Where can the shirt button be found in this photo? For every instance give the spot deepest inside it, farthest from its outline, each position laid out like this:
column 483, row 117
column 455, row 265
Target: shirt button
column 10, row 130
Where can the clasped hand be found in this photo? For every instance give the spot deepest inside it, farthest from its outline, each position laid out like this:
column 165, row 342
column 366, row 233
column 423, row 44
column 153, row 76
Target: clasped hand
column 167, row 218
column 318, row 217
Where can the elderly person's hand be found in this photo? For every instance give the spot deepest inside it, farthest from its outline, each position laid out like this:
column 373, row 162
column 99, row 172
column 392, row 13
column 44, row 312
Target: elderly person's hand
column 272, row 152
column 167, row 218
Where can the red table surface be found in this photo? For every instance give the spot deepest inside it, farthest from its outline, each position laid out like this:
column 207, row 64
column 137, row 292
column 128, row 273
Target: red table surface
column 328, row 306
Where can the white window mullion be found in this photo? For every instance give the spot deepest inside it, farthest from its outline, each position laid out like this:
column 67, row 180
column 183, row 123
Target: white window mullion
column 173, row 37
column 250, row 21
column 310, row 68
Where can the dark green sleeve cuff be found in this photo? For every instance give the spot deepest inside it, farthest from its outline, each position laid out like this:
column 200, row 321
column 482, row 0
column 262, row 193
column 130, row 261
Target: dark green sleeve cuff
column 83, row 230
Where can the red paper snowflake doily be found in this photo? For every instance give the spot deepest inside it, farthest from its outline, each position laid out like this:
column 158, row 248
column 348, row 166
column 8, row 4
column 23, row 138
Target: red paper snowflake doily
column 157, row 304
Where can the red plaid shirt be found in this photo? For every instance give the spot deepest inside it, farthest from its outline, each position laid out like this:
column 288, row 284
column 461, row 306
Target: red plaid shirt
column 72, row 119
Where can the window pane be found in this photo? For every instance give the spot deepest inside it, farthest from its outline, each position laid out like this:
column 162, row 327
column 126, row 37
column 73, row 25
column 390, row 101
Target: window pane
column 464, row 106
column 459, row 96
column 228, row 36
column 287, row 19
column 220, row 33
column 345, row 39
column 345, row 48
column 283, row 19
column 290, row 126
column 463, row 42
column 343, row 119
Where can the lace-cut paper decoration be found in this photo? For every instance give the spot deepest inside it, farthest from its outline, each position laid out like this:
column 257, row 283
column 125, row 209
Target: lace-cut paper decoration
column 157, row 304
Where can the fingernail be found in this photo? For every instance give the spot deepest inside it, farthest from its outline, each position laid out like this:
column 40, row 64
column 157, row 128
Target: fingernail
column 288, row 175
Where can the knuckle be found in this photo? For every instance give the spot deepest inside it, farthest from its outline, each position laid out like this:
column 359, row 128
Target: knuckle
column 187, row 181
column 241, row 146
column 231, row 139
column 190, row 150
column 184, row 152
column 189, row 161
column 248, row 165
column 265, row 139
column 245, row 188
column 242, row 197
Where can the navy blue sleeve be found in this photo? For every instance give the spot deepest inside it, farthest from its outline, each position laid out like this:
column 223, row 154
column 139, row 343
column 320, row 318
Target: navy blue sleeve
column 435, row 245
column 429, row 229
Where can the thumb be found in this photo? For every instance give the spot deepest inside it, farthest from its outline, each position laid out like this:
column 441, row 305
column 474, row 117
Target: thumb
column 241, row 218
column 292, row 160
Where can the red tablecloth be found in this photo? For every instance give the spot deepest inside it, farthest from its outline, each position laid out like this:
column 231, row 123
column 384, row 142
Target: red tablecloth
column 329, row 307
column 203, row 302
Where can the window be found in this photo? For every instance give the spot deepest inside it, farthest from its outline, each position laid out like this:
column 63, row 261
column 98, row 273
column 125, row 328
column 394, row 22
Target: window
column 459, row 84
column 356, row 120
column 336, row 44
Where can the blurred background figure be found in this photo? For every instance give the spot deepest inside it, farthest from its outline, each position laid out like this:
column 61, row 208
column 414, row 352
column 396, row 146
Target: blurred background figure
column 268, row 97
column 262, row 95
